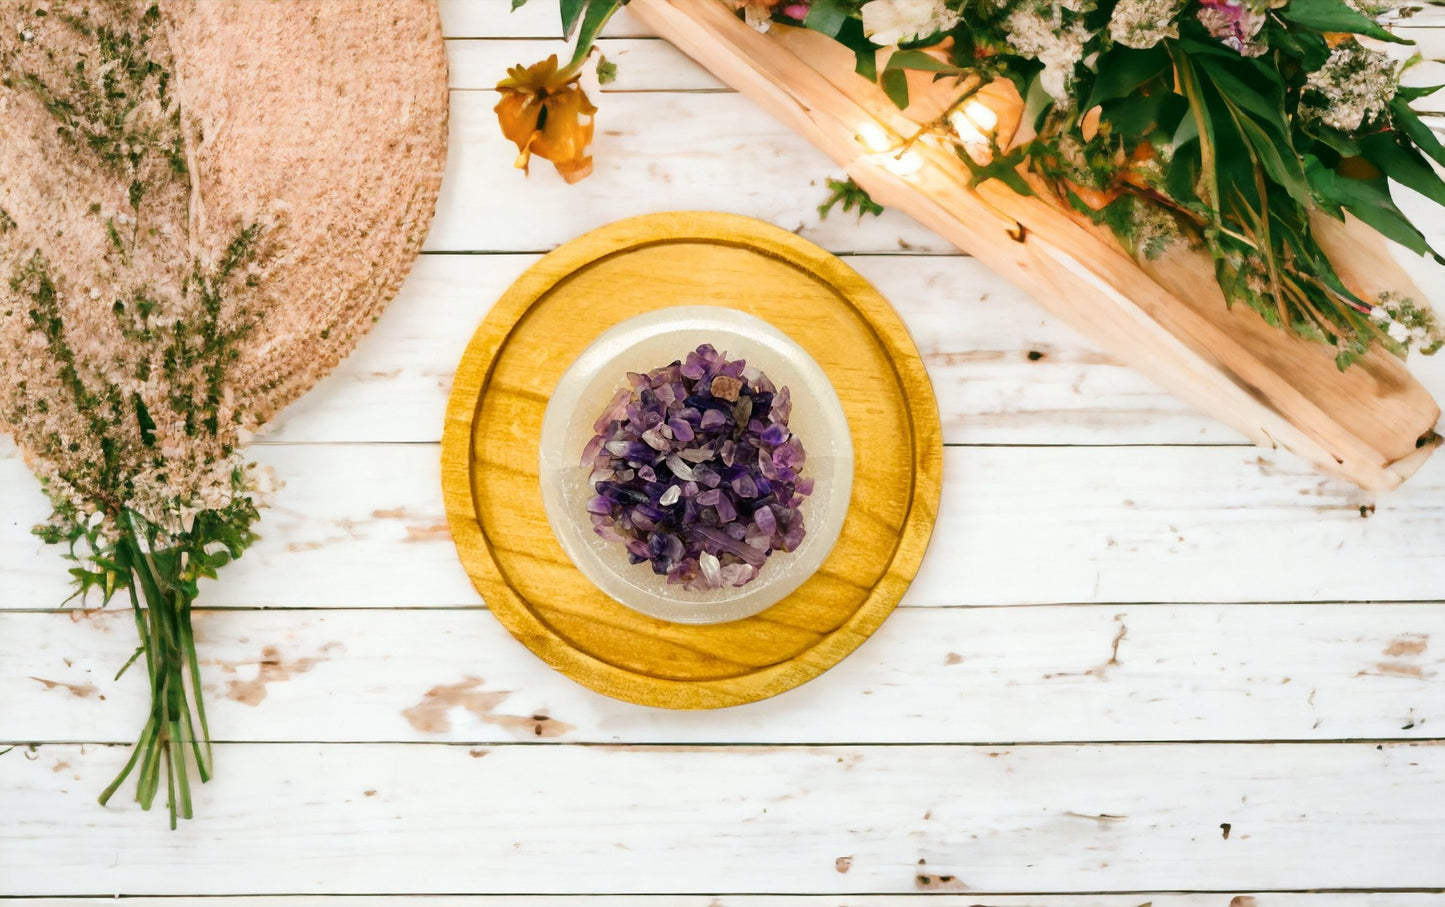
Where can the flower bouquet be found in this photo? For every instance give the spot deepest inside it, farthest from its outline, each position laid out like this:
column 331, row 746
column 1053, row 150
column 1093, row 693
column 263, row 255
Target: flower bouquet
column 1202, row 186
column 168, row 283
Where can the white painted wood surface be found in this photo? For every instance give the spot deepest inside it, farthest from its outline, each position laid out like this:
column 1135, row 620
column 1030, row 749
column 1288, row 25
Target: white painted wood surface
column 934, row 675
column 374, row 817
column 1130, row 631
column 1274, row 899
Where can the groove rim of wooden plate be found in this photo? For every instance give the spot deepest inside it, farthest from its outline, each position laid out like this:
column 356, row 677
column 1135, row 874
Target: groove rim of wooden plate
column 473, row 378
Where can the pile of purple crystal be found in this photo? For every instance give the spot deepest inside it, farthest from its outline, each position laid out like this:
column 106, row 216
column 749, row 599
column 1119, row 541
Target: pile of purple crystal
column 696, row 471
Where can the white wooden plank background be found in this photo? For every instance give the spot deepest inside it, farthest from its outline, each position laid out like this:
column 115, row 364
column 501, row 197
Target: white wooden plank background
column 1142, row 899
column 935, row 675
column 638, row 819
column 1130, row 631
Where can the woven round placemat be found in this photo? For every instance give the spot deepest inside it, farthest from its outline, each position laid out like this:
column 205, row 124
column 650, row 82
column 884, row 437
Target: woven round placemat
column 319, row 126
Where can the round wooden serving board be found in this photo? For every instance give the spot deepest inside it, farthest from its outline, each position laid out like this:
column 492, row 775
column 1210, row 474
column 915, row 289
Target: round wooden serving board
column 552, row 313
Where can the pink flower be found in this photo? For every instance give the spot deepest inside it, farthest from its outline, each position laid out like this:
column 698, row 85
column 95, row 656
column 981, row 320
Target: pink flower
column 1235, row 23
column 759, row 13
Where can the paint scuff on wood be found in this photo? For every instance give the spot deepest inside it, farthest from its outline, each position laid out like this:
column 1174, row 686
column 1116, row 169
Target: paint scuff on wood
column 78, row 690
column 1104, row 819
column 271, row 668
column 1403, row 647
column 1408, row 644
column 927, row 882
column 434, row 532
column 430, row 529
column 1399, row 668
column 1099, row 671
column 432, row 714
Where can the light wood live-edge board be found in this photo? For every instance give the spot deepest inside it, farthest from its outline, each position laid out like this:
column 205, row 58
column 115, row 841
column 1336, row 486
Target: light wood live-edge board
column 1130, row 630
column 1372, row 424
column 555, row 311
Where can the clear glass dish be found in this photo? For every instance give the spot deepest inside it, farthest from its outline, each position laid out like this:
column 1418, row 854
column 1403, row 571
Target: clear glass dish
column 656, row 339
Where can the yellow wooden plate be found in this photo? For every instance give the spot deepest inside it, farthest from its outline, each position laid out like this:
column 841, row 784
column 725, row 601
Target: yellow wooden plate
column 553, row 312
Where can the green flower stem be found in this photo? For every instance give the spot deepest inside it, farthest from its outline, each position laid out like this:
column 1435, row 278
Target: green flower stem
column 168, row 643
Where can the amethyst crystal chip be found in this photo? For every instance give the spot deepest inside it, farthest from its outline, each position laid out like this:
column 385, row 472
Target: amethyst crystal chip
column 696, row 472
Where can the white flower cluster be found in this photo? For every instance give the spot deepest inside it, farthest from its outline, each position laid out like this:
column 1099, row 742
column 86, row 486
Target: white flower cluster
column 1141, row 24
column 1406, row 323
column 1154, row 230
column 1038, row 30
column 888, row 22
column 1355, row 85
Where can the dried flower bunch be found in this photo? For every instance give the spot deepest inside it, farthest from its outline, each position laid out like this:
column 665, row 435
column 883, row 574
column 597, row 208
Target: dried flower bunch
column 168, row 283
column 697, row 472
column 1230, row 125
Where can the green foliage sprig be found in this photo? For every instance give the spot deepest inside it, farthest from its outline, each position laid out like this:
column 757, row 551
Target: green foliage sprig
column 1230, row 124
column 161, row 573
column 850, row 197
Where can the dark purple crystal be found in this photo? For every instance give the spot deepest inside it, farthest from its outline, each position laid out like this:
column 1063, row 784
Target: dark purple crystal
column 696, row 472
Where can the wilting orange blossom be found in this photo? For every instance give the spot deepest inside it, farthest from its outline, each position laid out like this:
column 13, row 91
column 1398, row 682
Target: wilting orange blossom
column 545, row 112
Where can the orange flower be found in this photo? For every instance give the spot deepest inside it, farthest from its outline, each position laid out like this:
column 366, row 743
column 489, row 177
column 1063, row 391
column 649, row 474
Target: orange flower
column 545, row 112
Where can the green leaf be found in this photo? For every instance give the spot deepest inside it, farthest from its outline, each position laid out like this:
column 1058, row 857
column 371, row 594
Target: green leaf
column 139, row 650
column 917, row 59
column 598, row 12
column 1199, row 107
column 1307, row 250
column 518, row 4
column 1335, row 15
column 1003, row 167
column 1197, row 49
column 571, row 12
column 867, row 63
column 606, row 71
column 895, row 85
column 1416, row 92
column 827, row 16
column 1331, row 138
column 1275, row 155
column 1136, row 119
column 1423, row 137
column 1404, row 165
column 1124, row 70
column 850, row 196
column 1186, row 132
column 1310, row 48
column 1370, row 201
column 1268, row 108
column 1132, row 118
column 851, row 36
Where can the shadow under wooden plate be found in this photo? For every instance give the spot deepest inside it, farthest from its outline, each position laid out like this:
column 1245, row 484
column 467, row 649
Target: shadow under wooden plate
column 553, row 312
